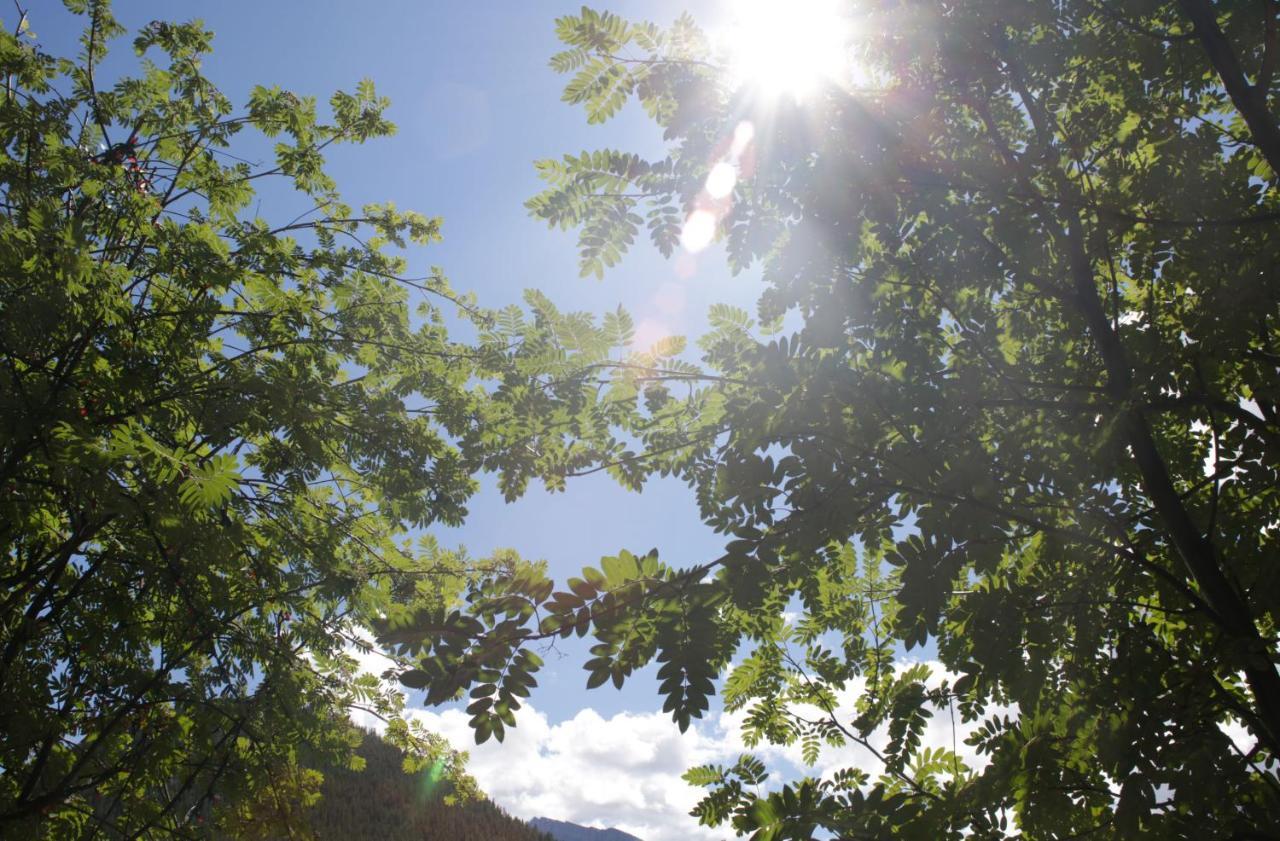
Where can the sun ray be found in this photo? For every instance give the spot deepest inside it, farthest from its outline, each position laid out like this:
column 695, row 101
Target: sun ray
column 787, row 48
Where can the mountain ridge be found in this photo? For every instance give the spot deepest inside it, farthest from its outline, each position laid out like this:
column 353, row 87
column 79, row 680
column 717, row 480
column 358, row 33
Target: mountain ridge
column 565, row 831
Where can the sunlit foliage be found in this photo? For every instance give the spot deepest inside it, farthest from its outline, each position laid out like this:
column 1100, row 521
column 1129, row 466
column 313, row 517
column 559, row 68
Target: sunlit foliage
column 1012, row 393
column 216, row 431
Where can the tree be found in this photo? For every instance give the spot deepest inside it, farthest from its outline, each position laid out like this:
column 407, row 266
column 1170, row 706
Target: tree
column 1029, row 416
column 216, row 432
column 382, row 800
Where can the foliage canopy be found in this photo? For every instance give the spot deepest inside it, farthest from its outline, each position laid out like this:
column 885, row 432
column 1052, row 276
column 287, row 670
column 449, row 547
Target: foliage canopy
column 216, row 432
column 1028, row 416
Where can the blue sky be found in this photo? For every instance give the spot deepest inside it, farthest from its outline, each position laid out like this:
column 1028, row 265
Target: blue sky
column 476, row 105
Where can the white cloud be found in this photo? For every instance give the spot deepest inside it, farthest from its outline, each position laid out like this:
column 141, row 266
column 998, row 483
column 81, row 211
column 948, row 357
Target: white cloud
column 625, row 771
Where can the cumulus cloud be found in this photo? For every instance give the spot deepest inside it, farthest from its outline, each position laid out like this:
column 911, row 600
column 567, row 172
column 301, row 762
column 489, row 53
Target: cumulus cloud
column 622, row 771
column 625, row 771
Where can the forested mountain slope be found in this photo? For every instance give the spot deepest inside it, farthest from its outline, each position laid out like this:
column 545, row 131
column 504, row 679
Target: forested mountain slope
column 384, row 802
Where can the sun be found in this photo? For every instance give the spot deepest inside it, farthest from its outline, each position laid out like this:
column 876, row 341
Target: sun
column 787, row 47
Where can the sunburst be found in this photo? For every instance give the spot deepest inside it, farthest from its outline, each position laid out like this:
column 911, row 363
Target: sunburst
column 787, row 47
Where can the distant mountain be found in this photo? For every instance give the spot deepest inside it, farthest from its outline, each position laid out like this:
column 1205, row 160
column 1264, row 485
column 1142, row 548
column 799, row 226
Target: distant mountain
column 385, row 803
column 564, row 831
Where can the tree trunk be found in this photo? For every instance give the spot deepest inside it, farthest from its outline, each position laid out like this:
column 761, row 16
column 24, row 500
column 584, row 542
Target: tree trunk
column 1250, row 100
column 1230, row 607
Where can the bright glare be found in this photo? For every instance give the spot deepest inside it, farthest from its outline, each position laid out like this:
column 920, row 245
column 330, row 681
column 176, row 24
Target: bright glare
column 721, row 179
column 699, row 229
column 788, row 46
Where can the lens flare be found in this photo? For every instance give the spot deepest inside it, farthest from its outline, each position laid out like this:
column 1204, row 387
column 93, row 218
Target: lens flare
column 430, row 780
column 721, row 179
column 647, row 334
column 743, row 133
column 699, row 229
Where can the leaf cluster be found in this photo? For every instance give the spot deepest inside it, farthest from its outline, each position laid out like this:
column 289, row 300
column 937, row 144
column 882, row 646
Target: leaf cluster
column 1023, row 414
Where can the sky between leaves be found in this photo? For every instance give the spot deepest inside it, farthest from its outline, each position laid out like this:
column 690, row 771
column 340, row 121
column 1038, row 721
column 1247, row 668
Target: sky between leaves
column 476, row 104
